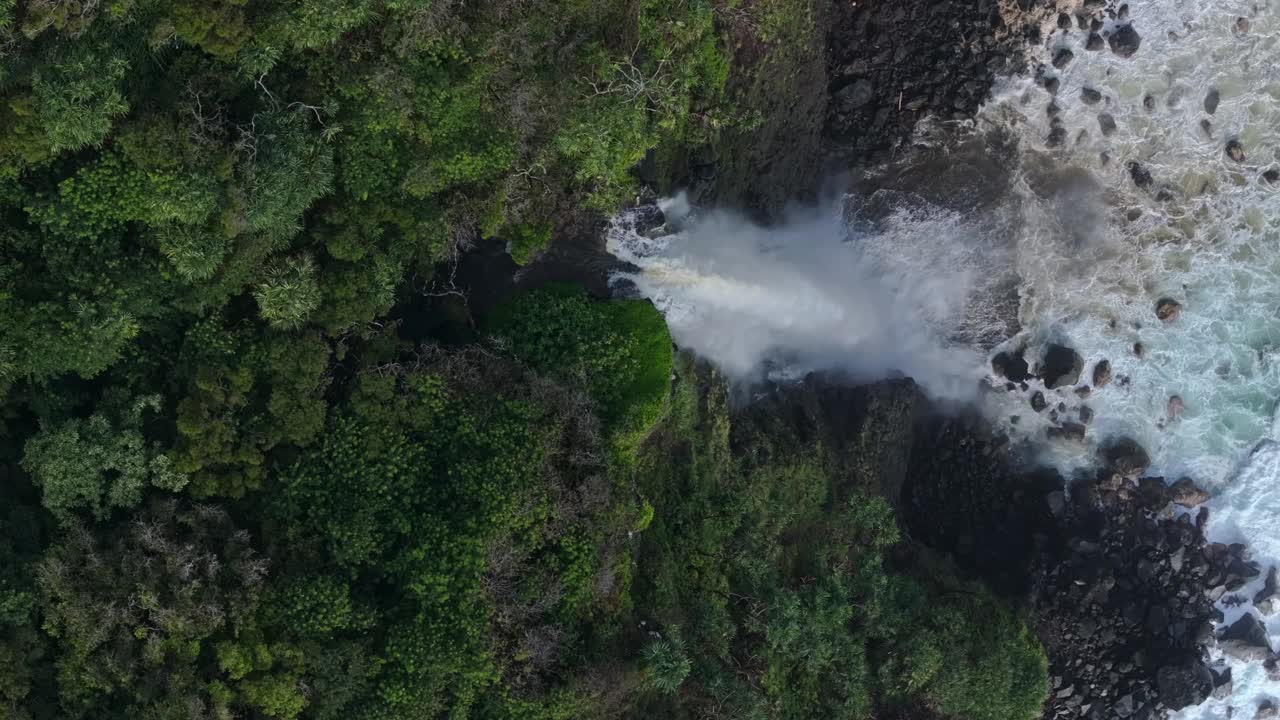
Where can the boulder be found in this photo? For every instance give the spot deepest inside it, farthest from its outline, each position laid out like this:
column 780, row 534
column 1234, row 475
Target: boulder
column 1090, row 96
column 1062, row 58
column 1140, row 175
column 1268, row 590
column 1125, row 41
column 1266, row 711
column 1235, row 150
column 1086, row 414
column 1095, row 42
column 1061, row 366
column 1211, row 100
column 1271, row 175
column 1124, row 456
column 1168, row 309
column 1184, row 684
column 1107, row 123
column 1038, row 402
column 1245, row 639
column 1153, row 493
column 1011, row 366
column 1102, row 373
column 1222, row 683
column 1187, row 494
column 1174, row 407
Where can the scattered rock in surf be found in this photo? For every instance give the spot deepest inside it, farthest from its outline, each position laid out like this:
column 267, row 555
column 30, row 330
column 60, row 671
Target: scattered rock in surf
column 1187, row 494
column 1068, row 431
column 1272, row 176
column 1235, row 150
column 1125, row 41
column 1060, row 366
column 1086, row 414
column 1101, row 373
column 1037, row 402
column 1082, row 22
column 1174, row 407
column 1011, row 366
column 648, row 219
column 1168, row 309
column 1242, row 26
column 1104, row 158
column 1123, row 12
column 1264, row 597
column 1057, row 136
column 1138, row 350
column 1084, row 391
column 1062, row 58
column 1140, row 175
column 1266, row 711
column 1125, row 457
column 1053, row 110
column 1222, row 684
column 1149, row 103
column 1064, row 21
column 1107, row 124
column 1207, row 127
column 1211, row 100
column 1053, row 416
column 1096, row 24
column 1090, row 96
column 1184, row 685
column 1245, row 639
column 1153, row 493
column 1095, row 42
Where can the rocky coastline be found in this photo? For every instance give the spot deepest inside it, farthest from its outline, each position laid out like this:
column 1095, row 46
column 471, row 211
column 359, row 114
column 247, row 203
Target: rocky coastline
column 1112, row 568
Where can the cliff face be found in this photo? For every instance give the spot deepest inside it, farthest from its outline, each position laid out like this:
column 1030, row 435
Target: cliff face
column 843, row 84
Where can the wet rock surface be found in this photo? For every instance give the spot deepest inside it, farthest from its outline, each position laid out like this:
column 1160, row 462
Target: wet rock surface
column 1116, row 582
column 919, row 59
column 1061, row 366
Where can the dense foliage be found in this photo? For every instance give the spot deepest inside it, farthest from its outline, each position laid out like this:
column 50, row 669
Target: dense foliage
column 236, row 481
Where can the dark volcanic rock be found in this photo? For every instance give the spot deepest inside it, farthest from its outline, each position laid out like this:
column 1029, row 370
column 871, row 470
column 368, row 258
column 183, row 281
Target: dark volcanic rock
column 1168, row 309
column 898, row 62
column 1245, row 639
column 1140, row 175
column 1235, row 150
column 1102, row 373
column 1124, row 41
column 1011, row 366
column 1062, row 58
column 1090, row 96
column 1183, row 685
column 1038, row 402
column 1095, row 42
column 1061, row 366
column 1211, row 100
column 1125, row 457
column 1187, row 494
column 1106, row 123
column 1117, row 591
column 1272, row 175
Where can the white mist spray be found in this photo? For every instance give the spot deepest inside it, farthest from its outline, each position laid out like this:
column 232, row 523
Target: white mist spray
column 811, row 293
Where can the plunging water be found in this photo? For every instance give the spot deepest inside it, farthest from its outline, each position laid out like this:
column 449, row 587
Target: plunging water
column 915, row 279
